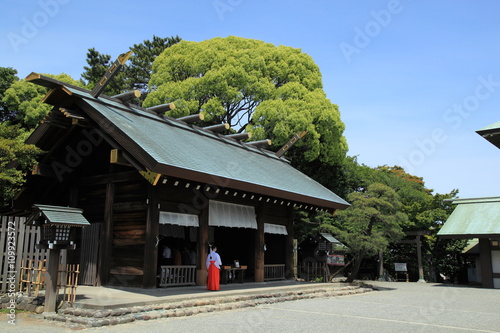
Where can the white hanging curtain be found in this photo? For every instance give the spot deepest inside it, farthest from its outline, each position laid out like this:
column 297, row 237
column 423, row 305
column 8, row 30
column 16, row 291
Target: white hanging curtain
column 275, row 229
column 223, row 214
column 184, row 220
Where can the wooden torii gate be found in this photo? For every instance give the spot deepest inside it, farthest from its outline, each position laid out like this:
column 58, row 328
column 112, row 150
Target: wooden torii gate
column 417, row 241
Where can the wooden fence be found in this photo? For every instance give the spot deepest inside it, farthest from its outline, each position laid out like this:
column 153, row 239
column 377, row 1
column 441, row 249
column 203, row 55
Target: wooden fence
column 32, row 279
column 314, row 271
column 177, row 275
column 274, row 272
column 17, row 243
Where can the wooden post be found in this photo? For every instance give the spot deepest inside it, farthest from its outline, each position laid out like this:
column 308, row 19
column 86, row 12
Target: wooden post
column 259, row 248
column 152, row 231
column 419, row 260
column 201, row 269
column 289, row 251
column 106, row 237
column 486, row 265
column 51, row 281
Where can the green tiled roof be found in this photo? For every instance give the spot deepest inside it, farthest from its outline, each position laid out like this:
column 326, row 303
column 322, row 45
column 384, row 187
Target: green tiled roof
column 491, row 133
column 473, row 218
column 173, row 148
column 59, row 215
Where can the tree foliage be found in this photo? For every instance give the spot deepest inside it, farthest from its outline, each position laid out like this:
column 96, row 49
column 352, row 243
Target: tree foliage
column 13, row 152
column 7, row 78
column 24, row 101
column 271, row 91
column 372, row 222
column 135, row 74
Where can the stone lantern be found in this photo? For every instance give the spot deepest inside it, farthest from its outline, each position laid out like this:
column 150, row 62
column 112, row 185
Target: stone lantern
column 56, row 225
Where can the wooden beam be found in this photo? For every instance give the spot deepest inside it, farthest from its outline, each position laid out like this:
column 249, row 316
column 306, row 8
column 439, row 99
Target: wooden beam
column 73, row 114
column 261, row 143
column 116, row 157
column 239, row 136
column 160, row 109
column 290, row 143
column 126, row 96
column 43, row 170
column 192, row 118
column 151, row 176
column 122, row 59
column 217, row 128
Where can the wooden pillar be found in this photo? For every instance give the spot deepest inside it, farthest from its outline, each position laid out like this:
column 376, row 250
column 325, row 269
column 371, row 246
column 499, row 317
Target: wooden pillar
column 419, row 260
column 289, row 250
column 259, row 248
column 202, row 248
column 150, row 246
column 106, row 237
column 486, row 267
column 51, row 281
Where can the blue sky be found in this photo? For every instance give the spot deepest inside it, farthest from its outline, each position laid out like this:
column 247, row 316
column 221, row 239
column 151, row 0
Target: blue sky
column 413, row 79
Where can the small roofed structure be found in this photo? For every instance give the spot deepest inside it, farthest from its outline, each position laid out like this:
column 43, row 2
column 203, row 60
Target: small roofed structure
column 320, row 248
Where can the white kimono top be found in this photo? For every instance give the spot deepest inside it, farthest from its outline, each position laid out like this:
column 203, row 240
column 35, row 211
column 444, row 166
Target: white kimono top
column 214, row 256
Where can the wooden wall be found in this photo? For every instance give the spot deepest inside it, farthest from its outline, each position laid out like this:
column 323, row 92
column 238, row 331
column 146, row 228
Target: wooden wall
column 129, row 232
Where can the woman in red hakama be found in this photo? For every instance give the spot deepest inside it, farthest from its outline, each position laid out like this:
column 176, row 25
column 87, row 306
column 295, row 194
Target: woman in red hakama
column 213, row 265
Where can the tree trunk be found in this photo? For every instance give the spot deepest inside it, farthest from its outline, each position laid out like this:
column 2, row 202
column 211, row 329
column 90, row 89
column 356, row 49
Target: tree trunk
column 355, row 268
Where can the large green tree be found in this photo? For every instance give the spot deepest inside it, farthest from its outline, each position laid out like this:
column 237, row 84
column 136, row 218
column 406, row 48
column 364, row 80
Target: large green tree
column 271, row 91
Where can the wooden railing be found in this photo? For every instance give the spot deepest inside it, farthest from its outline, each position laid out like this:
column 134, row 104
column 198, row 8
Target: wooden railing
column 274, row 272
column 178, row 275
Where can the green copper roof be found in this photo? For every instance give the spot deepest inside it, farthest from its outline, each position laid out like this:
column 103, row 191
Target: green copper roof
column 173, row 148
column 58, row 215
column 473, row 218
column 491, row 133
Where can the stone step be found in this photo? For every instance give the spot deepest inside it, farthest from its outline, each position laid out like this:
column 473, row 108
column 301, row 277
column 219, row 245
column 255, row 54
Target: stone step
column 78, row 318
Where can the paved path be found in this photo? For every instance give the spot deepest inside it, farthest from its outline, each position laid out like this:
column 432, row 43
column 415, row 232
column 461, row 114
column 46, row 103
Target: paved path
column 396, row 307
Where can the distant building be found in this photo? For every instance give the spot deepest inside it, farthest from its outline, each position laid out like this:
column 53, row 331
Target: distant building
column 479, row 218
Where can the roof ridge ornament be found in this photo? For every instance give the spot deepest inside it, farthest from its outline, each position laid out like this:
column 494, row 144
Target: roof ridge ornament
column 290, row 143
column 122, row 59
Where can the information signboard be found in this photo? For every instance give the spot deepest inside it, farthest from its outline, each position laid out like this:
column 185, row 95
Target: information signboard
column 335, row 259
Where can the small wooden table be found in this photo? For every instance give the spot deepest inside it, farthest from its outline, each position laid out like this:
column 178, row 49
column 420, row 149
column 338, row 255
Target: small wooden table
column 231, row 273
